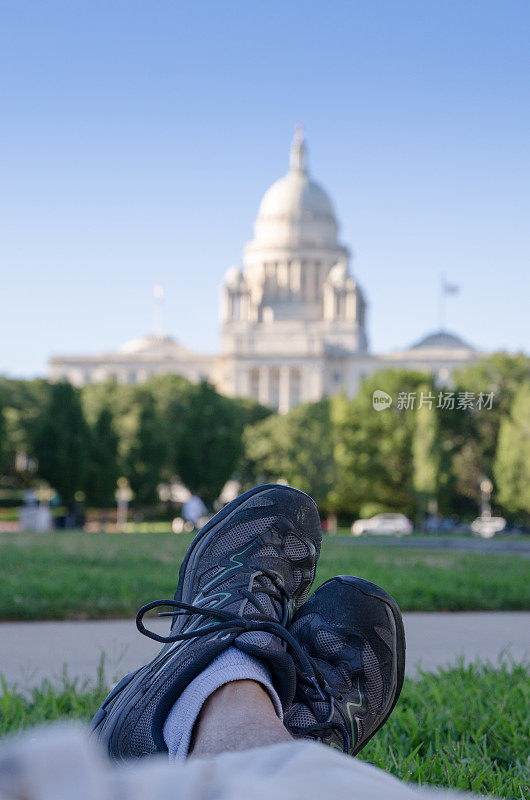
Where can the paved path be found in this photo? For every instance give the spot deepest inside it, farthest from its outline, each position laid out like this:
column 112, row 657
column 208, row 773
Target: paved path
column 462, row 544
column 31, row 651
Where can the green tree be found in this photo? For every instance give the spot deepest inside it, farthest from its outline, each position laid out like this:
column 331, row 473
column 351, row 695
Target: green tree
column 298, row 447
column 147, row 454
column 209, row 445
column 374, row 447
column 23, row 402
column 471, row 436
column 512, row 462
column 103, row 469
column 2, row 438
column 61, row 442
column 169, row 393
column 426, row 454
column 250, row 412
column 125, row 402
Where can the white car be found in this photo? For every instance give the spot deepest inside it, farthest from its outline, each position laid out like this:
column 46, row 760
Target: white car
column 383, row 524
column 487, row 527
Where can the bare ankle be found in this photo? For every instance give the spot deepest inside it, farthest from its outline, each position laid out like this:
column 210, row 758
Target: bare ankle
column 237, row 716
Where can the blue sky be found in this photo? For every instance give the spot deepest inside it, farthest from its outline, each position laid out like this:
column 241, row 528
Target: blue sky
column 138, row 138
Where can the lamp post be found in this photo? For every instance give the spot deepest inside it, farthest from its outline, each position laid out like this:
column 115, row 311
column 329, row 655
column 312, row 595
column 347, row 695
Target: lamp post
column 486, row 488
column 123, row 495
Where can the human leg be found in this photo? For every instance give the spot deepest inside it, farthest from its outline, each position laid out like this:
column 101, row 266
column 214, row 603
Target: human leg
column 245, row 574
column 237, row 716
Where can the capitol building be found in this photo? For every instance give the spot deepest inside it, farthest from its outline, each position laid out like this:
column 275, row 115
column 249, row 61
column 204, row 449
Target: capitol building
column 293, row 316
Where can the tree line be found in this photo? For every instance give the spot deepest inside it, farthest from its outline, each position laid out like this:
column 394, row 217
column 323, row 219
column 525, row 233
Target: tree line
column 83, row 440
column 431, row 444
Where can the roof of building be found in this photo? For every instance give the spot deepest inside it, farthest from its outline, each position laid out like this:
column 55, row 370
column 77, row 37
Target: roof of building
column 154, row 344
column 442, row 339
column 296, row 210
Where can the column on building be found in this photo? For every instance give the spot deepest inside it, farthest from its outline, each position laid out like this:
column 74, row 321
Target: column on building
column 284, row 404
column 263, row 395
column 314, row 375
column 243, row 386
column 274, row 387
column 295, row 387
column 253, row 381
column 340, row 294
column 236, row 297
column 295, row 277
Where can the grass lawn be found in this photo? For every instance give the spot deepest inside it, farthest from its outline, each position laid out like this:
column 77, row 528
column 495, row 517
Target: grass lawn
column 465, row 728
column 80, row 576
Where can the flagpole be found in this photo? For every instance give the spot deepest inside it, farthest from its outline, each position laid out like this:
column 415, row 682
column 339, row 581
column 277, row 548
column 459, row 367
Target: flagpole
column 442, row 301
column 158, row 294
column 445, row 289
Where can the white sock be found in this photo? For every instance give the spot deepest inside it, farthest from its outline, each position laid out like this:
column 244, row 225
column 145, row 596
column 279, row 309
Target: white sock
column 232, row 665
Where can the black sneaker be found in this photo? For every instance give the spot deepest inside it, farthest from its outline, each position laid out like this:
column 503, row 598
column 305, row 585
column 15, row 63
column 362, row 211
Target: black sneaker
column 349, row 643
column 245, row 574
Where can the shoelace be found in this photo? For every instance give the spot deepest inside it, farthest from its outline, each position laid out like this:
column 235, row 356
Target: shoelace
column 274, row 592
column 230, row 622
column 321, row 727
column 304, row 695
column 312, row 686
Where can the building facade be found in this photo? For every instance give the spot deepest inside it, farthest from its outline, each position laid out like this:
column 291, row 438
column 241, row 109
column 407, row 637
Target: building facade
column 293, row 317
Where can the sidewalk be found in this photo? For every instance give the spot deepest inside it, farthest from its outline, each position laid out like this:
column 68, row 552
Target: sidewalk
column 32, row 651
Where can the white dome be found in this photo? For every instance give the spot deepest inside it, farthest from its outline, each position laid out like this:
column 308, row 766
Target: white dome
column 338, row 274
column 234, row 277
column 295, row 211
column 153, row 345
column 296, row 197
column 442, row 339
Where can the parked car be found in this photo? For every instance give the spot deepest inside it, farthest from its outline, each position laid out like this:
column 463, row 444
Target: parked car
column 383, row 524
column 487, row 527
column 440, row 524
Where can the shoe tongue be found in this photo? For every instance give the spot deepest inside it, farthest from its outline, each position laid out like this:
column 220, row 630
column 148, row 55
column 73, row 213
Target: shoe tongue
column 271, row 607
column 302, row 716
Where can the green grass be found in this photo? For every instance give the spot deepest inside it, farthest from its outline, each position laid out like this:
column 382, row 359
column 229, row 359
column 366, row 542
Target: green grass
column 465, row 728
column 89, row 576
